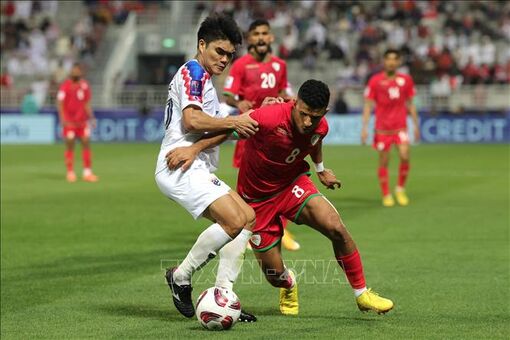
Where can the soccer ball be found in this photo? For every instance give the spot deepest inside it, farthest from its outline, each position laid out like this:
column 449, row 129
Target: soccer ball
column 218, row 309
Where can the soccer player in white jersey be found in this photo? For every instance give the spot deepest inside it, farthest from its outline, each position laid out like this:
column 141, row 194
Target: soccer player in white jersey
column 193, row 115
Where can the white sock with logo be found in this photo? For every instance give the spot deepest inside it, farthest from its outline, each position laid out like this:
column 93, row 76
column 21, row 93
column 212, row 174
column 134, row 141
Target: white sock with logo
column 205, row 248
column 231, row 260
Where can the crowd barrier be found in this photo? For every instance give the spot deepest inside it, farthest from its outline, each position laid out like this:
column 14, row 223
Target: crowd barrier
column 129, row 126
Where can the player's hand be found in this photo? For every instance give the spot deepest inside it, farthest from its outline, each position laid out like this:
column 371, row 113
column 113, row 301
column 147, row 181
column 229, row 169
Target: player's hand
column 181, row 157
column 328, row 178
column 364, row 136
column 272, row 100
column 417, row 135
column 244, row 105
column 245, row 126
column 93, row 122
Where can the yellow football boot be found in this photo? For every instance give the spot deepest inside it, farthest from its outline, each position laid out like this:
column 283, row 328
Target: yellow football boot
column 388, row 201
column 289, row 304
column 401, row 197
column 370, row 300
column 289, row 242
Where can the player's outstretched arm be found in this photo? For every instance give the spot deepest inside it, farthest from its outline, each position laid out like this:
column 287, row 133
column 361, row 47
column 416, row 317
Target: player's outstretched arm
column 326, row 176
column 183, row 157
column 195, row 120
column 367, row 109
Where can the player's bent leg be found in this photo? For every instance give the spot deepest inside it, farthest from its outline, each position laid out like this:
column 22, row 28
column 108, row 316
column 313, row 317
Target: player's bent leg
column 228, row 213
column 278, row 275
column 403, row 170
column 209, row 242
column 232, row 254
column 321, row 215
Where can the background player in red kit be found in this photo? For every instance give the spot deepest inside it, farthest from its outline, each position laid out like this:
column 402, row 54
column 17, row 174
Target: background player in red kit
column 288, row 132
column 253, row 77
column 75, row 113
column 392, row 92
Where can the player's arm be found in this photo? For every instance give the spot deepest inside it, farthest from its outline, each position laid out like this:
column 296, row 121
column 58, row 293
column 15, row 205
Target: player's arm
column 242, row 105
column 61, row 94
column 60, row 109
column 414, row 116
column 90, row 114
column 326, row 176
column 365, row 118
column 183, row 157
column 195, row 120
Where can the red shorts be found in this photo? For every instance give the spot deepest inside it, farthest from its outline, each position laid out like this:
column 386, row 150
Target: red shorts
column 71, row 132
column 271, row 214
column 384, row 142
column 238, row 153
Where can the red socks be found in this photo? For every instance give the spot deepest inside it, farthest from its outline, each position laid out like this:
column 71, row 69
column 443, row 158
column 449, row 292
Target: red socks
column 69, row 156
column 353, row 268
column 87, row 158
column 383, row 180
column 286, row 280
column 403, row 170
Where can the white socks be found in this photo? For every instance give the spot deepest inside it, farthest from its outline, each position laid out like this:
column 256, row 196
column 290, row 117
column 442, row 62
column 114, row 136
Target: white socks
column 205, row 248
column 231, row 260
column 358, row 292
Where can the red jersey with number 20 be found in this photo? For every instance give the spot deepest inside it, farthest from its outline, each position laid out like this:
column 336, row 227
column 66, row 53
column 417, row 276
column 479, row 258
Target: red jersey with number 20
column 274, row 156
column 254, row 80
column 390, row 97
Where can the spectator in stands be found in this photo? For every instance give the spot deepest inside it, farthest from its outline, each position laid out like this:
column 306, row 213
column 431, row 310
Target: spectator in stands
column 29, row 103
column 340, row 104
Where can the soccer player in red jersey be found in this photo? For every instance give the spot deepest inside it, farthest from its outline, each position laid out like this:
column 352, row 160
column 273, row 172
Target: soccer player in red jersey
column 75, row 114
column 253, row 77
column 392, row 92
column 274, row 180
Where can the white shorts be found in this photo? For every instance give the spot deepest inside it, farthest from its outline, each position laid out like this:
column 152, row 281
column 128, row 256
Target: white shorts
column 195, row 189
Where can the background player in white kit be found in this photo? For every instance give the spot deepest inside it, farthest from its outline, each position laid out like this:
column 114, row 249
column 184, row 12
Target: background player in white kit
column 193, row 113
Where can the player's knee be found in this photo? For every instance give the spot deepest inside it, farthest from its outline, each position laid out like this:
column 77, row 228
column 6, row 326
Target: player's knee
column 336, row 229
column 235, row 224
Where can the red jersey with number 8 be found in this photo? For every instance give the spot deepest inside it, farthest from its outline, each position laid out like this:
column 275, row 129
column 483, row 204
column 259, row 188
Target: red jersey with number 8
column 390, row 96
column 274, row 156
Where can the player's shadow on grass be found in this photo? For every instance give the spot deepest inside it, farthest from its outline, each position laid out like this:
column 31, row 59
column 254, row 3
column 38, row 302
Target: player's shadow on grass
column 141, row 311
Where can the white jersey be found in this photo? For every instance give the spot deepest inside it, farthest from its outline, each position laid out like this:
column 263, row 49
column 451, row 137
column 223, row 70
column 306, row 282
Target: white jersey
column 191, row 85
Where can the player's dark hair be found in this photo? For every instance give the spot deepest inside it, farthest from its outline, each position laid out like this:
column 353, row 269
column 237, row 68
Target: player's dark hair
column 219, row 27
column 258, row 22
column 315, row 94
column 392, row 51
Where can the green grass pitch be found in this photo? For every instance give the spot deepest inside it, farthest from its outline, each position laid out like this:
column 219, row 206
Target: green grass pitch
column 86, row 259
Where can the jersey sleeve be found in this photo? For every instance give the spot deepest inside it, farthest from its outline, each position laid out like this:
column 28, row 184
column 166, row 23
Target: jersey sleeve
column 61, row 94
column 192, row 83
column 88, row 92
column 234, row 79
column 282, row 86
column 370, row 89
column 411, row 89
